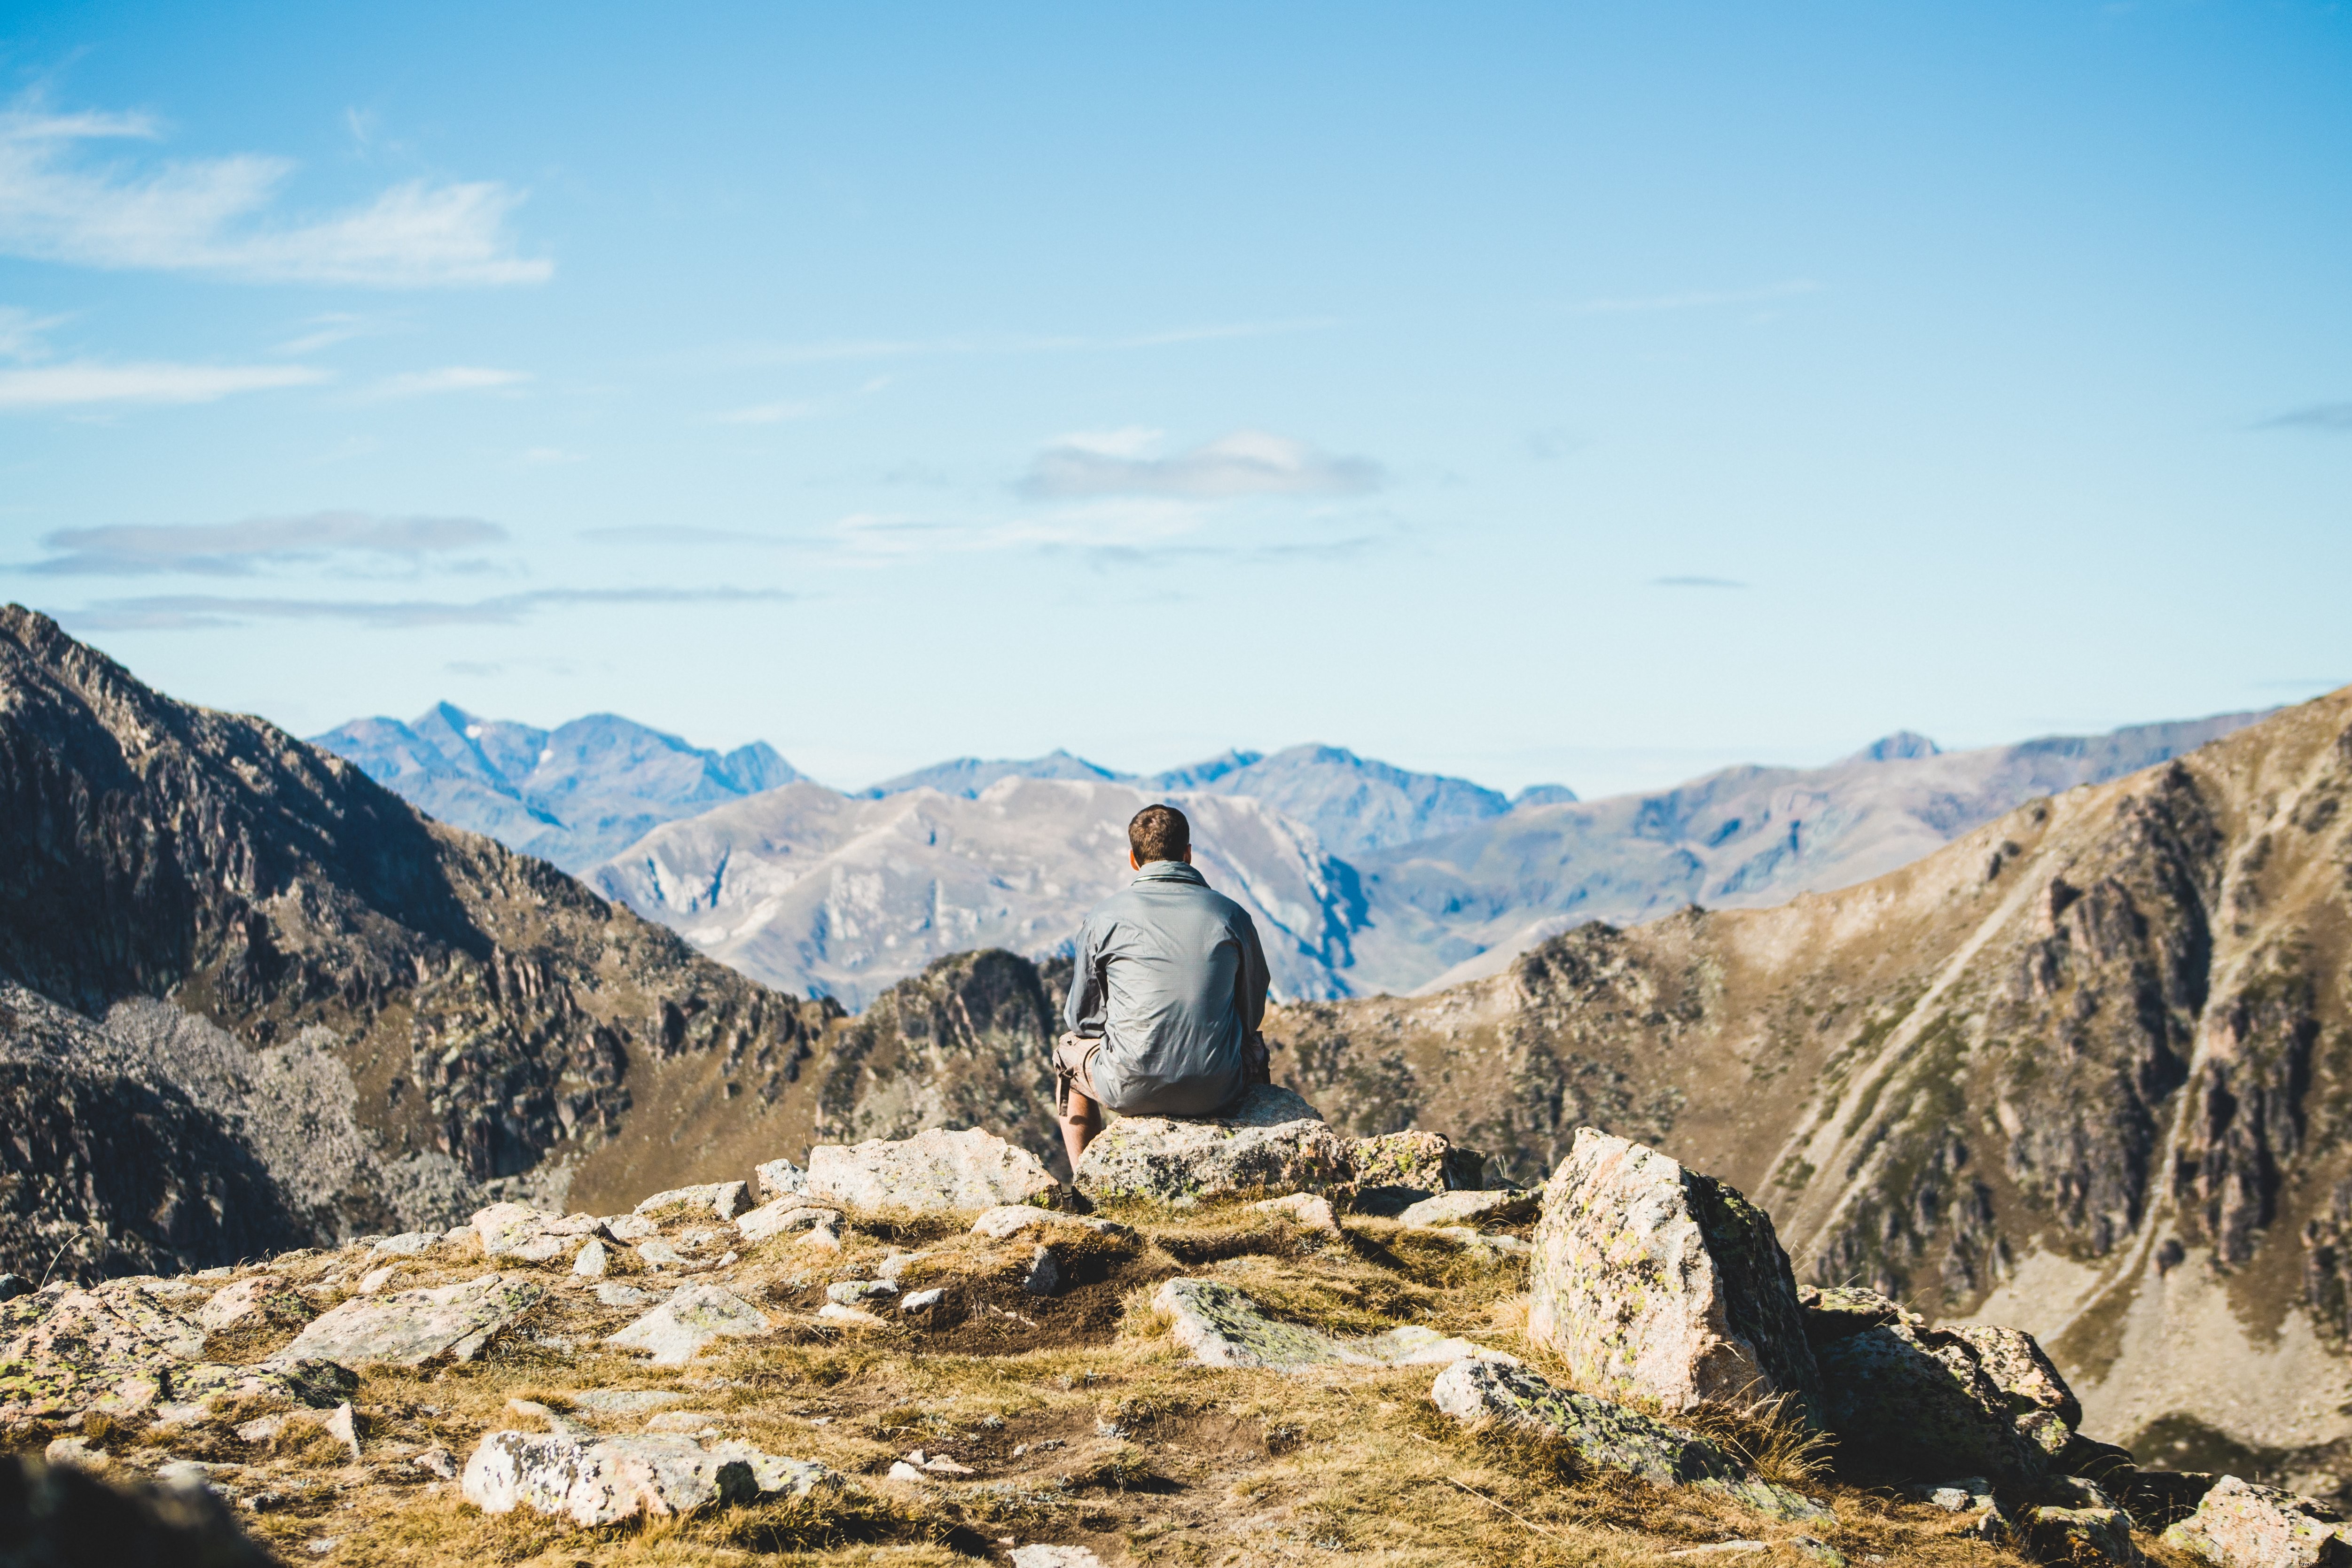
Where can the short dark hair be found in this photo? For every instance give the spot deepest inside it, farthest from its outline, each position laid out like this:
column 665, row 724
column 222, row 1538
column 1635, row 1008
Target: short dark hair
column 1158, row 833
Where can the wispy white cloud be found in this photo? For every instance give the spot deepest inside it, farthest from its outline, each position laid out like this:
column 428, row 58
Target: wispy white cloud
column 1013, row 343
column 230, row 549
column 767, row 413
column 21, row 333
column 197, row 611
column 448, row 378
column 1699, row 300
column 326, row 332
column 2328, row 418
column 87, row 381
column 1246, row 463
column 218, row 215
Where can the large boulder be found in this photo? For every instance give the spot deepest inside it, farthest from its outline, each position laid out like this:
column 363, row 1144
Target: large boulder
column 1477, row 1390
column 935, row 1170
column 1910, row 1400
column 1654, row 1283
column 603, row 1481
column 2240, row 1525
column 1273, row 1143
column 411, row 1327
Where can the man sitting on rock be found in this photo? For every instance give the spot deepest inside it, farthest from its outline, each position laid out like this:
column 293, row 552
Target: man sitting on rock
column 1168, row 993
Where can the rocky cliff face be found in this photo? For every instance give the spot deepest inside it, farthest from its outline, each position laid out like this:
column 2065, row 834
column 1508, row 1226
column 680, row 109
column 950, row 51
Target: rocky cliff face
column 2087, row 1070
column 483, row 1016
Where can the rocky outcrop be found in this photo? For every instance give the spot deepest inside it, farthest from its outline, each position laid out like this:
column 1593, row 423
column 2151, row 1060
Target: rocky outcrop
column 1273, row 1143
column 478, row 1007
column 411, row 1327
column 1907, row 1399
column 933, row 1170
column 2240, row 1525
column 1655, row 1282
column 654, row 1476
column 1482, row 1389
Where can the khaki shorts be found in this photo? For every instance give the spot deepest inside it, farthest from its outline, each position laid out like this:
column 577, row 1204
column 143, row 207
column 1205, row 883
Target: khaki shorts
column 1074, row 1064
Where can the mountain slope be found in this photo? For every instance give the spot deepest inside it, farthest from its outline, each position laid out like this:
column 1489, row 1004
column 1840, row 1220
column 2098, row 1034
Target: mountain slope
column 571, row 795
column 489, row 1017
column 803, row 888
column 1453, row 908
column 2088, row 1071
column 1355, row 804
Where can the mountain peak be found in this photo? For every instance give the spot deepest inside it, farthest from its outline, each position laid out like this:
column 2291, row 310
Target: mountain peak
column 1903, row 746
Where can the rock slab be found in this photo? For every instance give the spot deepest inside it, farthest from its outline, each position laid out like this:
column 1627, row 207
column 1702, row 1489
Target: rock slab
column 1653, row 1282
column 1274, row 1143
column 693, row 1317
column 411, row 1327
column 1223, row 1327
column 1477, row 1389
column 935, row 1171
column 603, row 1481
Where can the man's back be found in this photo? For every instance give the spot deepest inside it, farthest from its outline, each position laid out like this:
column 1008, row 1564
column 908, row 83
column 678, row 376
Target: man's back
column 1170, row 976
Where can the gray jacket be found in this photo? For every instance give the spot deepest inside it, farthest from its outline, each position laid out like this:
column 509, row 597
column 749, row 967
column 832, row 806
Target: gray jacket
column 1172, row 980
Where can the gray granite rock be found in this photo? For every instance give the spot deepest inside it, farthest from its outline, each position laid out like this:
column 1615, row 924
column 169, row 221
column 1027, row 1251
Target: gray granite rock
column 411, row 1327
column 693, row 1317
column 1274, row 1143
column 603, row 1481
column 2241, row 1525
column 934, row 1170
column 724, row 1198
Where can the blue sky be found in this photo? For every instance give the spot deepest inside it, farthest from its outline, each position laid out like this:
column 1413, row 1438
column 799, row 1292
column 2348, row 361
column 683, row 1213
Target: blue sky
column 1582, row 393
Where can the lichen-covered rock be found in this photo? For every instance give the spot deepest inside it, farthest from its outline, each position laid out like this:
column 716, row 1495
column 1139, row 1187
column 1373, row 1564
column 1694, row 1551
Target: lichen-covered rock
column 781, row 1178
column 115, row 1347
column 1415, row 1160
column 1656, row 1282
column 1274, row 1143
column 1223, row 1327
column 693, row 1316
column 1505, row 1206
column 411, row 1327
column 1484, row 1388
column 604, row 1481
column 259, row 1302
column 723, row 1198
column 2079, row 1536
column 782, row 1217
column 2240, row 1525
column 933, row 1171
column 778, row 1474
column 530, row 1236
column 1909, row 1399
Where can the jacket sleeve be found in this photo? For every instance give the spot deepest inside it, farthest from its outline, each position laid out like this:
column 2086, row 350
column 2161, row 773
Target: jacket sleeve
column 1250, row 980
column 1083, row 1013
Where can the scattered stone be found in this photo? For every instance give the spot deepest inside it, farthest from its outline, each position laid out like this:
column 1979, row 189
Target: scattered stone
column 781, row 1178
column 849, row 1292
column 2080, row 1535
column 724, row 1198
column 1412, row 1161
column 897, row 1264
column 1508, row 1206
column 613, row 1293
column 2240, row 1525
column 592, row 1261
column 1303, row 1209
column 437, row 1461
column 375, row 1280
column 934, row 1170
column 407, row 1244
column 822, row 1239
column 413, row 1327
column 1494, row 1388
column 900, row 1470
column 1909, row 1400
column 1655, row 1282
column 693, row 1317
column 261, row 1428
column 928, row 1305
column 1274, row 1143
column 1043, row 1276
column 631, row 1228
column 849, row 1316
column 782, row 1217
column 1042, row 1556
column 660, row 1255
column 603, row 1481
column 343, row 1427
column 261, row 1301
column 76, row 1452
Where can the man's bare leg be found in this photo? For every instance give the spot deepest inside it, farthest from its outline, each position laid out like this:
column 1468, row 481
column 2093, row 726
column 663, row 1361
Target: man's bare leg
column 1080, row 1124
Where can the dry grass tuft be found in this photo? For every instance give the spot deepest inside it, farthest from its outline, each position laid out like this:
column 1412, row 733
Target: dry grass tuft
column 1769, row 1437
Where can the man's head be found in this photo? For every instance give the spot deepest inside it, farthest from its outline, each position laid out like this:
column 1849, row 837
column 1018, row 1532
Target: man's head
column 1158, row 833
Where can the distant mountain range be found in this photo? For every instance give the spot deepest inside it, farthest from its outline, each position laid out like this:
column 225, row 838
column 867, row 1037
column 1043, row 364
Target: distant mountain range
column 573, row 795
column 1364, row 877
